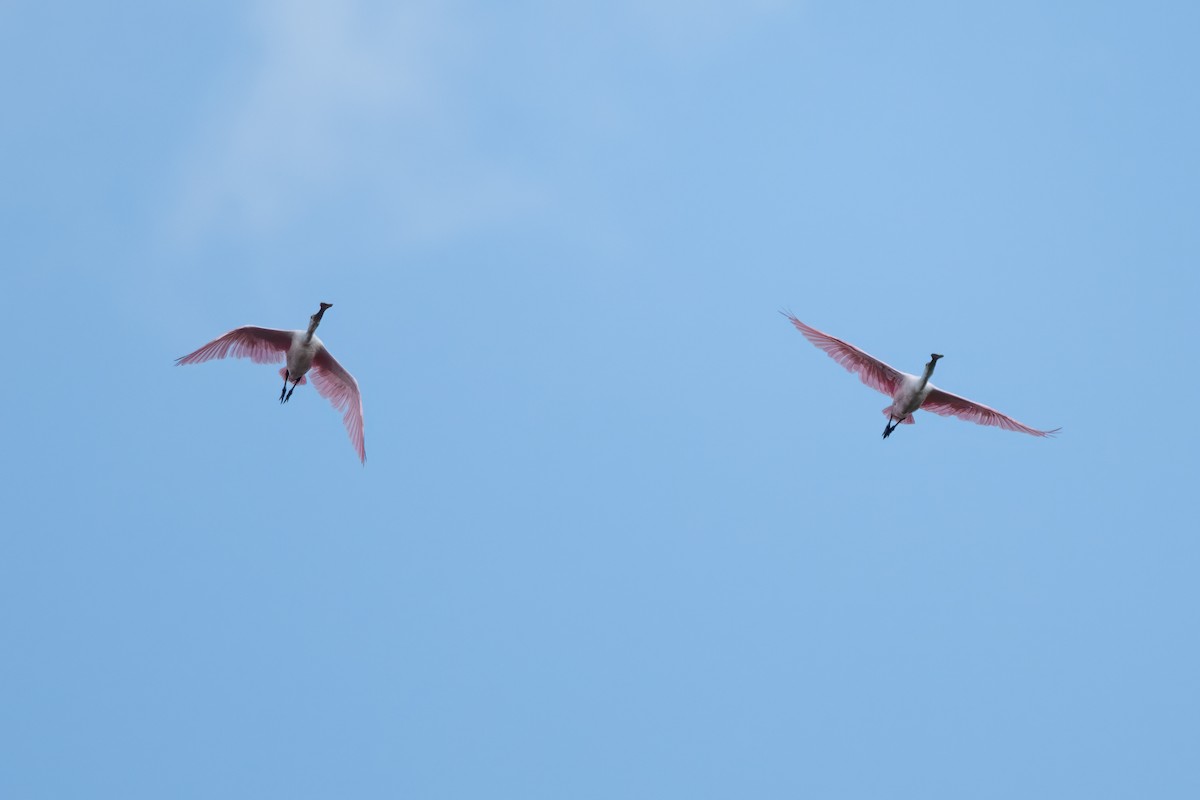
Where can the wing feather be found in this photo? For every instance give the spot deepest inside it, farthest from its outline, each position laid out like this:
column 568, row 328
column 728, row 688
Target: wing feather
column 338, row 386
column 951, row 405
column 870, row 370
column 261, row 345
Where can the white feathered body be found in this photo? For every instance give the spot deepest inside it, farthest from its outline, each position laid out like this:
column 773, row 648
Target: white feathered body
column 301, row 354
column 908, row 397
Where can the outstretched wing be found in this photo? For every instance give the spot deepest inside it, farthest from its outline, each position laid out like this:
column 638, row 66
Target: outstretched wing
column 951, row 405
column 261, row 345
column 338, row 386
column 870, row 370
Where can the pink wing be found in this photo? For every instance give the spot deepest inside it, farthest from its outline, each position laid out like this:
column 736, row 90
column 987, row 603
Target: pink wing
column 262, row 345
column 951, row 405
column 338, row 386
column 871, row 370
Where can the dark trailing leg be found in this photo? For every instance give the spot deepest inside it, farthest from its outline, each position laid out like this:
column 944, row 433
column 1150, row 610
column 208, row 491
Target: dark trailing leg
column 282, row 398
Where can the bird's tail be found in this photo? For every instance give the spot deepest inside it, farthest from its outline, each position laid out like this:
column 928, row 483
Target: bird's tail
column 888, row 412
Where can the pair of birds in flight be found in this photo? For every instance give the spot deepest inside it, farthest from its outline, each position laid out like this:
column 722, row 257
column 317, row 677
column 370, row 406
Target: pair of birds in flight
column 304, row 353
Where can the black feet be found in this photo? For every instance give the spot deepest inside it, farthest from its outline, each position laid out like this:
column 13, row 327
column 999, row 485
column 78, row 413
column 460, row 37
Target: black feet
column 283, row 395
column 891, row 426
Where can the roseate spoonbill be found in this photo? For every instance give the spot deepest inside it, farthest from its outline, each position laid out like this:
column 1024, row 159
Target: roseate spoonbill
column 304, row 352
column 908, row 392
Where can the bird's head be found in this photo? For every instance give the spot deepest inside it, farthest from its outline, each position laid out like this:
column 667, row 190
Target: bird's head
column 315, row 319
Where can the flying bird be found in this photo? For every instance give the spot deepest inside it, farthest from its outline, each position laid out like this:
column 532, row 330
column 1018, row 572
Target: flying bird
column 305, row 354
column 909, row 392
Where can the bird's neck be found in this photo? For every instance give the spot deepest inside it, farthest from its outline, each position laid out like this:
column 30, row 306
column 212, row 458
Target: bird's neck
column 313, row 322
column 928, row 373
column 312, row 328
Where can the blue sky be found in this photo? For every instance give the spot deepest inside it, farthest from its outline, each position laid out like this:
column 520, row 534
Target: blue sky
column 622, row 532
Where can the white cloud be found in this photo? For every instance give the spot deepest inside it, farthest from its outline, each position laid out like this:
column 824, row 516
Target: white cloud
column 345, row 98
column 687, row 28
column 342, row 104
